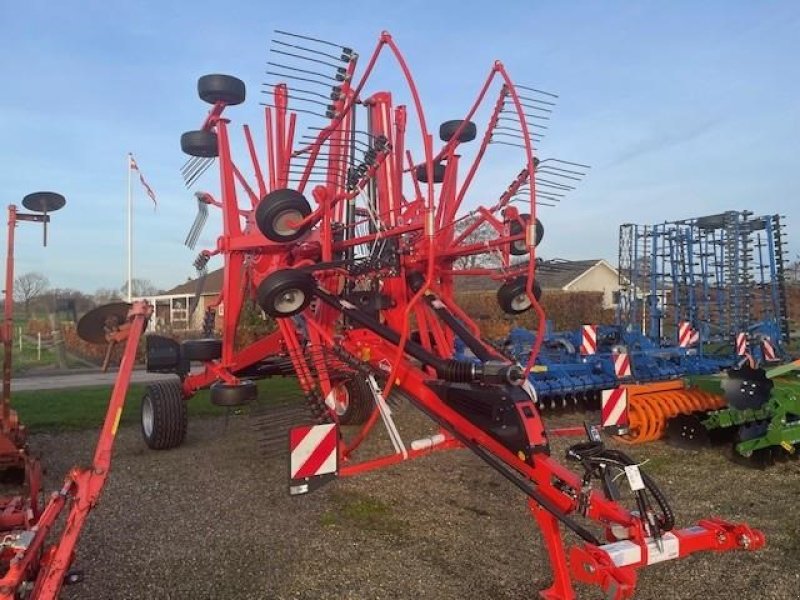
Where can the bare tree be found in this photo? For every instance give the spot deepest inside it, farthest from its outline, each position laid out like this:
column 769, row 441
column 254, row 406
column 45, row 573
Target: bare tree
column 28, row 287
column 792, row 271
column 483, row 233
column 106, row 295
column 140, row 287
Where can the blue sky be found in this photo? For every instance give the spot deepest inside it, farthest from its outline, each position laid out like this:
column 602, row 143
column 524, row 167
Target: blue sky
column 681, row 108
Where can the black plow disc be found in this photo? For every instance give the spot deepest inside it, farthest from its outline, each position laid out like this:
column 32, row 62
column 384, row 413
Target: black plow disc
column 99, row 322
column 761, row 458
column 746, row 387
column 687, row 431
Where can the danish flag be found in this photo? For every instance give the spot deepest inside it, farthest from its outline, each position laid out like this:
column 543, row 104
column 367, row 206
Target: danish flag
column 147, row 188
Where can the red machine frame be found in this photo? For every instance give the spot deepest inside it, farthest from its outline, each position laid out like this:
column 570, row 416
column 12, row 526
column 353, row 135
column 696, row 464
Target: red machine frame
column 426, row 246
column 31, row 562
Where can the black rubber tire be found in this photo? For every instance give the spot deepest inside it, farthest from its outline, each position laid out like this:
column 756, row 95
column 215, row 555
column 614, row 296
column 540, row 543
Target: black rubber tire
column 278, row 285
column 200, row 143
column 164, row 415
column 203, row 350
column 518, row 247
column 449, row 128
column 225, row 394
column 221, row 88
column 510, row 296
column 360, row 402
column 276, row 206
column 438, row 173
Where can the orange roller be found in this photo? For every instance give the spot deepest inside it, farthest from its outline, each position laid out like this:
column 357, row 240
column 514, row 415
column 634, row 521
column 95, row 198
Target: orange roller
column 651, row 405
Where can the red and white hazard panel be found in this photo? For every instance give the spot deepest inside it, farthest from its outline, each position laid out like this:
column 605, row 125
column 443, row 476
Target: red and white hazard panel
column 313, row 456
column 622, row 364
column 741, row 344
column 614, row 408
column 588, row 339
column 684, row 334
column 769, row 351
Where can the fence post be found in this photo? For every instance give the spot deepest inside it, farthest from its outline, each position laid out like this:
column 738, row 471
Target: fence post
column 58, row 344
column 39, row 346
column 19, row 329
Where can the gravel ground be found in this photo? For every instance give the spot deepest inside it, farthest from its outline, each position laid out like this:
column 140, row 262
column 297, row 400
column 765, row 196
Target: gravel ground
column 213, row 519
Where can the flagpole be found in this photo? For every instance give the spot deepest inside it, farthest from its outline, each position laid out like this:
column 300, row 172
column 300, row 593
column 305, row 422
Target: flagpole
column 130, row 234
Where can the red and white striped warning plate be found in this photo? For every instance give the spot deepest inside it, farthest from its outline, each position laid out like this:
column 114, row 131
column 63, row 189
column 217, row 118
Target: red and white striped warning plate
column 313, row 451
column 614, row 407
column 622, row 364
column 741, row 344
column 684, row 334
column 588, row 339
column 769, row 351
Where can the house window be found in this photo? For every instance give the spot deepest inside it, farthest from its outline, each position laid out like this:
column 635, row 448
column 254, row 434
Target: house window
column 615, row 297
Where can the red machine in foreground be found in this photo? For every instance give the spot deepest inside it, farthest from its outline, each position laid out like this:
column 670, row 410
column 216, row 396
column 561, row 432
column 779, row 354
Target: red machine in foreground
column 351, row 242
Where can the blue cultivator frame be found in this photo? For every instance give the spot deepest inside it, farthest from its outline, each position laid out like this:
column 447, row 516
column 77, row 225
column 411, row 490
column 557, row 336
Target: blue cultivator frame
column 722, row 274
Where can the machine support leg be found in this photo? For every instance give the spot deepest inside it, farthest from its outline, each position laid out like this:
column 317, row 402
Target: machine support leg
column 551, row 534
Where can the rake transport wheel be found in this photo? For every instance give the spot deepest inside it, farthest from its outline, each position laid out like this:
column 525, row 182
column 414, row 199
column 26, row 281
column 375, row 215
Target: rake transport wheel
column 286, row 292
column 200, row 143
column 202, row 350
column 448, row 129
column 226, row 394
column 513, row 299
column 352, row 400
column 279, row 211
column 438, row 173
column 221, row 88
column 519, row 247
column 164, row 416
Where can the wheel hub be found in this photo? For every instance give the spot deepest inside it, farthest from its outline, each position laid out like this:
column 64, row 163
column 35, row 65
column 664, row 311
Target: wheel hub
column 289, row 301
column 286, row 222
column 521, row 302
column 147, row 416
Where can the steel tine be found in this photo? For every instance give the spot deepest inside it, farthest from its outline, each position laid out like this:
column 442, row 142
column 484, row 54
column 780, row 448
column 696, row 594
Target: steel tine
column 201, row 168
column 189, row 176
column 566, row 162
column 298, row 110
column 189, row 164
column 547, row 172
column 307, row 58
column 506, row 144
column 559, row 169
column 550, row 195
column 340, row 73
column 301, row 99
column 537, row 101
column 554, row 185
column 538, row 91
column 200, row 172
column 298, row 78
column 334, row 95
column 342, row 57
column 313, row 39
column 516, row 120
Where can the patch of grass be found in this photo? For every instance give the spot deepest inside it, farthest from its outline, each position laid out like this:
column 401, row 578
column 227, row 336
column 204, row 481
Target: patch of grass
column 85, row 408
column 354, row 509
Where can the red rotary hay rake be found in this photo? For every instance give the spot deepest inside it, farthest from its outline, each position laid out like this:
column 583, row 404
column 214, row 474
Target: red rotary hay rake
column 361, row 283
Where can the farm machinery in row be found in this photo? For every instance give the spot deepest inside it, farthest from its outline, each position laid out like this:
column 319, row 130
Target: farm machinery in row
column 348, row 239
column 39, row 534
column 761, row 416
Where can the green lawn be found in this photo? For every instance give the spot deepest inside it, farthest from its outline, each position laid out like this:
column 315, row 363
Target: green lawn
column 85, row 408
